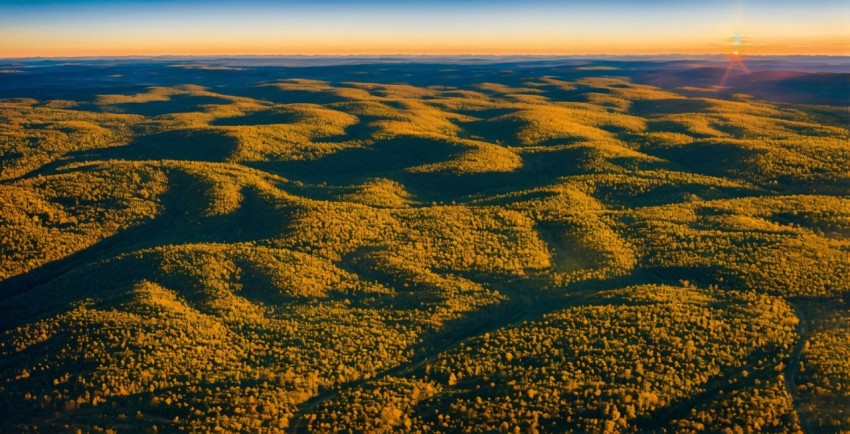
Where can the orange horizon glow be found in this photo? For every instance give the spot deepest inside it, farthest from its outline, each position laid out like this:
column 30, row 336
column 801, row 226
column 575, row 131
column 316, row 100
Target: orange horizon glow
column 829, row 48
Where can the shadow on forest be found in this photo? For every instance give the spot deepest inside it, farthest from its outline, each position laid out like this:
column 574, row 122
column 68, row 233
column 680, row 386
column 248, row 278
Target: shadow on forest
column 354, row 165
column 183, row 145
column 187, row 145
column 179, row 223
column 264, row 117
column 176, row 104
column 730, row 379
column 651, row 107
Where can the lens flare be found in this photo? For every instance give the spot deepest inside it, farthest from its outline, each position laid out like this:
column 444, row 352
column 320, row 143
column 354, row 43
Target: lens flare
column 736, row 58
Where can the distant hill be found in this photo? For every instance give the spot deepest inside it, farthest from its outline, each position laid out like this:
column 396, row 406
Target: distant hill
column 830, row 88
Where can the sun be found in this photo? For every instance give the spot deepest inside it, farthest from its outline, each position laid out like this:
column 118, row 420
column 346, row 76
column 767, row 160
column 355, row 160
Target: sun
column 736, row 57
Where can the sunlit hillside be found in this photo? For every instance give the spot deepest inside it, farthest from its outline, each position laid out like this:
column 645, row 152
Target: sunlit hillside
column 519, row 248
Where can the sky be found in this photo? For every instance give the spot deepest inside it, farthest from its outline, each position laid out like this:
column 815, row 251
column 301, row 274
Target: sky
column 421, row 27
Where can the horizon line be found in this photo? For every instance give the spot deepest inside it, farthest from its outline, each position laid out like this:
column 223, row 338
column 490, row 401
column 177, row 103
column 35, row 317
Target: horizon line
column 406, row 55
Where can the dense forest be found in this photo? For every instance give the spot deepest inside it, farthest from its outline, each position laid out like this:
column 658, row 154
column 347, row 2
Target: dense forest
column 419, row 248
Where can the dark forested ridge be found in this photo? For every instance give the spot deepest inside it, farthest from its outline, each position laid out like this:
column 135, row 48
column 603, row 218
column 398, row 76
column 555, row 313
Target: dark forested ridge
column 390, row 245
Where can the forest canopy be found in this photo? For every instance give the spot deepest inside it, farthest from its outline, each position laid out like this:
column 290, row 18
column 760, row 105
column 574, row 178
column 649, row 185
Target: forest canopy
column 419, row 248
